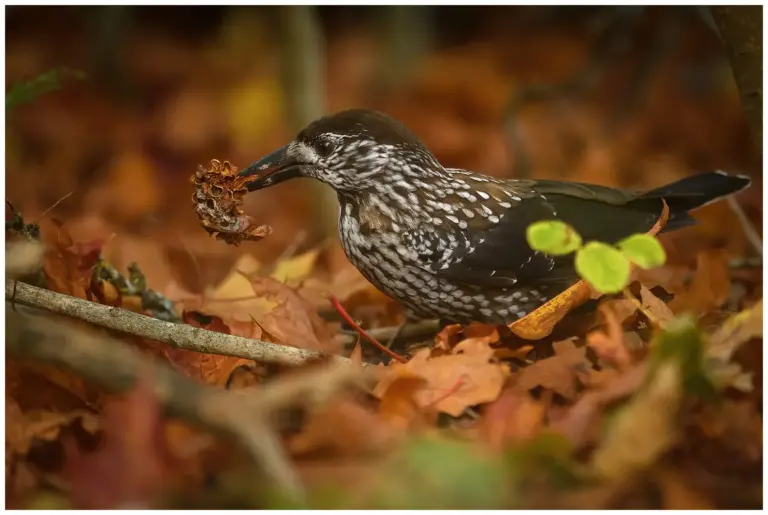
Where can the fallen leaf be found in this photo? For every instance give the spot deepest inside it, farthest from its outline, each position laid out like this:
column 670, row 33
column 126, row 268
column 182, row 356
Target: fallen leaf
column 736, row 331
column 296, row 268
column 67, row 264
column 609, row 343
column 208, row 368
column 293, row 320
column 581, row 422
column 447, row 337
column 541, row 322
column 644, row 429
column 356, row 356
column 558, row 373
column 678, row 495
column 128, row 468
column 709, row 287
column 622, row 309
column 466, row 377
column 23, row 428
column 398, row 404
column 513, row 417
column 342, row 428
column 657, row 307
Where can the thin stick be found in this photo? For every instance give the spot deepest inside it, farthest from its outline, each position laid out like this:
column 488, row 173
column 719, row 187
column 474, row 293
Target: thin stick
column 746, row 226
column 361, row 331
column 62, row 199
column 182, row 336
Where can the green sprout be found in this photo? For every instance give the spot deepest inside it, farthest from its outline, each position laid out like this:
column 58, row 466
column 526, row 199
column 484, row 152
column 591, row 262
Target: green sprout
column 605, row 267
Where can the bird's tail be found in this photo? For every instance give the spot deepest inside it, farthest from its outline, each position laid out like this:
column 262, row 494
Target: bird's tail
column 694, row 192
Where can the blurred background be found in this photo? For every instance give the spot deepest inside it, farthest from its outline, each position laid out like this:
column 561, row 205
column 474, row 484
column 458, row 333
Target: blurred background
column 625, row 96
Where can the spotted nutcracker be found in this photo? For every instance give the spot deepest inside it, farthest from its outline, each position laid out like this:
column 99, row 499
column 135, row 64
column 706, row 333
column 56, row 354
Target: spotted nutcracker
column 450, row 243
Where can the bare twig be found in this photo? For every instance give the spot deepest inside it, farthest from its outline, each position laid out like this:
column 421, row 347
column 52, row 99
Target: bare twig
column 182, row 336
column 749, row 230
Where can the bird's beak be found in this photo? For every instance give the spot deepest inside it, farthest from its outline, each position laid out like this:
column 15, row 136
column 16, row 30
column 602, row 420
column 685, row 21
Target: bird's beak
column 272, row 169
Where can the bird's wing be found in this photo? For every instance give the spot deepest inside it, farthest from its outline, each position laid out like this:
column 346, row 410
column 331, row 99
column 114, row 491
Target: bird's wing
column 488, row 235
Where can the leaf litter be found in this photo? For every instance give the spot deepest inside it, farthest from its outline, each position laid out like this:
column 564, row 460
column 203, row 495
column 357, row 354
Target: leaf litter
column 477, row 417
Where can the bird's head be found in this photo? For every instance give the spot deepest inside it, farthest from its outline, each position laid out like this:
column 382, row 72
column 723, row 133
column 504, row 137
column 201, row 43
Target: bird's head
column 351, row 151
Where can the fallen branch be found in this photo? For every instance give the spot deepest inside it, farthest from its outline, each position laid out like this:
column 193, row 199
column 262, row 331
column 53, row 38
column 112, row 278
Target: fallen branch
column 182, row 336
column 118, row 368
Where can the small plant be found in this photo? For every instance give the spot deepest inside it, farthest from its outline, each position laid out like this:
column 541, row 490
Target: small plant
column 605, row 267
column 27, row 91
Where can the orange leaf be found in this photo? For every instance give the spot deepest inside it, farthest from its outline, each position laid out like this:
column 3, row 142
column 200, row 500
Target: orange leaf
column 453, row 381
column 710, row 286
column 539, row 323
column 398, row 403
column 558, row 373
column 209, row 368
column 609, row 344
column 513, row 417
column 128, row 468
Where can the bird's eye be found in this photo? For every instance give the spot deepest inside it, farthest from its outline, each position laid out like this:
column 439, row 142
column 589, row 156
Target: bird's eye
column 324, row 147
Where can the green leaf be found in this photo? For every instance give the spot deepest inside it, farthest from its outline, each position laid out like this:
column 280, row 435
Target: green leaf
column 603, row 266
column 643, row 250
column 682, row 341
column 443, row 474
column 27, row 91
column 553, row 237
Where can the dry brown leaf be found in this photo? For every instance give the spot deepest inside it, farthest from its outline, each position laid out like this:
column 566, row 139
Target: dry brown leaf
column 678, row 495
column 644, row 430
column 453, row 381
column 208, row 368
column 609, row 344
column 23, row 428
column 513, row 417
column 655, row 306
column 293, row 320
column 558, row 373
column 356, row 357
column 343, row 428
column 622, row 309
column 540, row 323
column 736, row 331
column 709, row 287
column 581, row 422
column 398, row 404
column 446, row 338
column 129, row 467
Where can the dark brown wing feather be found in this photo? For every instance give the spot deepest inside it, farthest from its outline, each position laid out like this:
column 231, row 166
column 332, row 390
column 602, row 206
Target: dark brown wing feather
column 502, row 256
